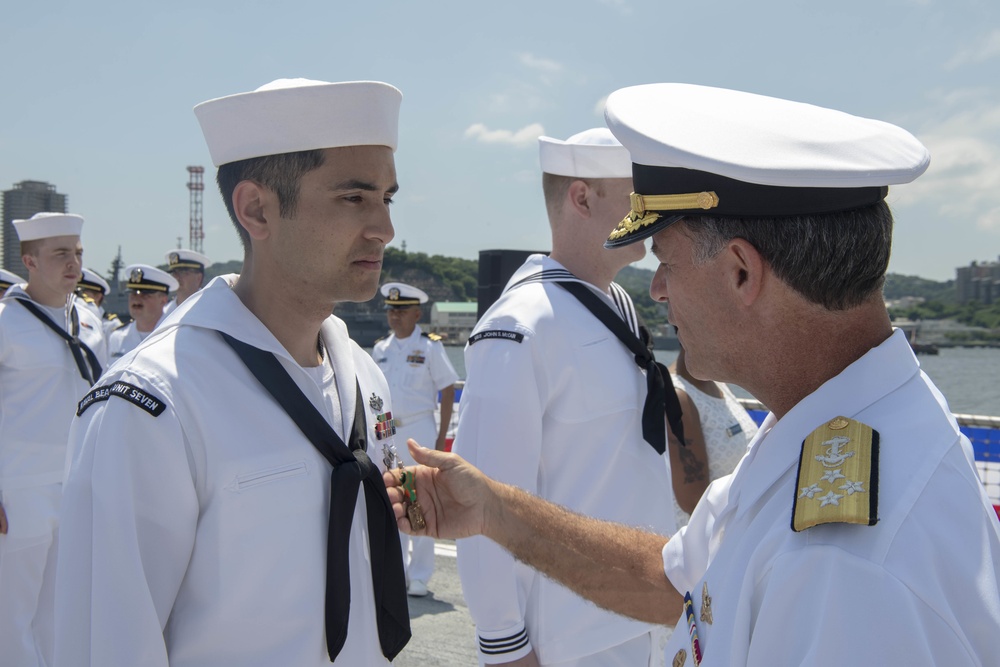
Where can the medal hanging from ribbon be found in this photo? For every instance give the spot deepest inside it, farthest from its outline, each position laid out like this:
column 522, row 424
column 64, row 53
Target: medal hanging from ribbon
column 385, row 429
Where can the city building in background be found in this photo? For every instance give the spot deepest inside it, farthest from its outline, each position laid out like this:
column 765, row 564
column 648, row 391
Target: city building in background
column 454, row 320
column 980, row 281
column 20, row 203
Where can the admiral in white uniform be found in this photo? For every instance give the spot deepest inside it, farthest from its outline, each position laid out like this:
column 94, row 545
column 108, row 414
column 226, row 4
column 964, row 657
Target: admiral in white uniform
column 552, row 404
column 225, row 510
column 855, row 531
column 51, row 348
column 92, row 289
column 188, row 269
column 148, row 291
column 416, row 367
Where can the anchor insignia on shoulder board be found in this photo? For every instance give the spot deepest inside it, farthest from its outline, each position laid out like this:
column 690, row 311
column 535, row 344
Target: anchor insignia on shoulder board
column 834, row 455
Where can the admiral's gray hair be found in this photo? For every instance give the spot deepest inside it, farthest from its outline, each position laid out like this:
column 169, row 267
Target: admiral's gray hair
column 837, row 260
column 279, row 173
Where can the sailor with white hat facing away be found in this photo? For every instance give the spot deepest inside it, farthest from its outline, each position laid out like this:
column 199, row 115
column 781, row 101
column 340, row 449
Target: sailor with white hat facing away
column 258, row 419
column 855, row 530
column 52, row 348
column 554, row 403
column 92, row 290
column 416, row 366
column 188, row 268
column 148, row 291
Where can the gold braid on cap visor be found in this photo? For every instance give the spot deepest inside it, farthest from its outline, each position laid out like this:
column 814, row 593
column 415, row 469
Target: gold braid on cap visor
column 643, row 207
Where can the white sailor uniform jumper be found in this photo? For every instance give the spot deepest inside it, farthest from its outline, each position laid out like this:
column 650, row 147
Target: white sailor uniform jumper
column 212, row 529
column 40, row 382
column 854, row 532
column 552, row 404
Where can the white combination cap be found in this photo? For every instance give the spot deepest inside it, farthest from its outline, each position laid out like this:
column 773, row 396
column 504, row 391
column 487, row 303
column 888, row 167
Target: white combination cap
column 290, row 115
column 146, row 278
column 592, row 153
column 698, row 150
column 187, row 259
column 93, row 280
column 47, row 225
column 8, row 279
column 398, row 295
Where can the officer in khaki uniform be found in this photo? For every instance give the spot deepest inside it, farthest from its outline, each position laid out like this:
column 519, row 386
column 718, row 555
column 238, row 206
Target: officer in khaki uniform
column 416, row 366
column 855, row 531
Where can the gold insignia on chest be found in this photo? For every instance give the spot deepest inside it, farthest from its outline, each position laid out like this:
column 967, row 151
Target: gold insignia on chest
column 706, row 604
column 838, row 476
column 680, row 658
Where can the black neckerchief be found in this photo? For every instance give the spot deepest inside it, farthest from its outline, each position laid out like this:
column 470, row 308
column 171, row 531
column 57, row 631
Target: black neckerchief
column 351, row 468
column 90, row 369
column 661, row 398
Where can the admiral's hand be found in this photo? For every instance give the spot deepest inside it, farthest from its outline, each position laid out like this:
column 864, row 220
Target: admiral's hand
column 452, row 493
column 3, row 521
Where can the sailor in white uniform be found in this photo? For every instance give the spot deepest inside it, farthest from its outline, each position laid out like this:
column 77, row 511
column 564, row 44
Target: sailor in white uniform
column 92, row 289
column 855, row 530
column 552, row 404
column 188, row 269
column 51, row 349
column 416, row 366
column 148, row 291
column 224, row 507
column 8, row 279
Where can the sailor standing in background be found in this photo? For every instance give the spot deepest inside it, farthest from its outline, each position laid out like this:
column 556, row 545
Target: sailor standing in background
column 224, row 506
column 416, row 367
column 51, row 350
column 148, row 291
column 855, row 530
column 553, row 404
column 8, row 280
column 92, row 289
column 188, row 269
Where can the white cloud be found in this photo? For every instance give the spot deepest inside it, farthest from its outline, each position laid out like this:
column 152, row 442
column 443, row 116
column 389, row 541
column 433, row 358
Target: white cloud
column 985, row 49
column 962, row 132
column 540, row 64
column 599, row 107
column 526, row 136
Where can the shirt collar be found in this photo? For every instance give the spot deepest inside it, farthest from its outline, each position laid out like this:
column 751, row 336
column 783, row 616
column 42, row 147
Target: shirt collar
column 776, row 449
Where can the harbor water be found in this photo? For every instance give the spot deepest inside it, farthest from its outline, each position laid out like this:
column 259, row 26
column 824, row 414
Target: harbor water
column 969, row 378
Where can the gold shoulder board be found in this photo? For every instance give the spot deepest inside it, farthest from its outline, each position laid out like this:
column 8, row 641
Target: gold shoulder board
column 433, row 336
column 838, row 476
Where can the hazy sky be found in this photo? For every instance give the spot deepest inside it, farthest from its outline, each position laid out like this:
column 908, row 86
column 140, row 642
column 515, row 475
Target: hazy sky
column 97, row 98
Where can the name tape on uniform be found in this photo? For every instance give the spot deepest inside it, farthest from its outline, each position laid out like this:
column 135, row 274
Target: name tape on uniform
column 129, row 392
column 498, row 334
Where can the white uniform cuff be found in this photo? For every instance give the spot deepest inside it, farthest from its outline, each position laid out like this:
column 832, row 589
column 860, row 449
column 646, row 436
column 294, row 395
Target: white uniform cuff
column 503, row 645
column 673, row 564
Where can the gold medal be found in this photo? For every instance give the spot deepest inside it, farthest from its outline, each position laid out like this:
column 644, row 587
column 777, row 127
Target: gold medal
column 706, row 604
